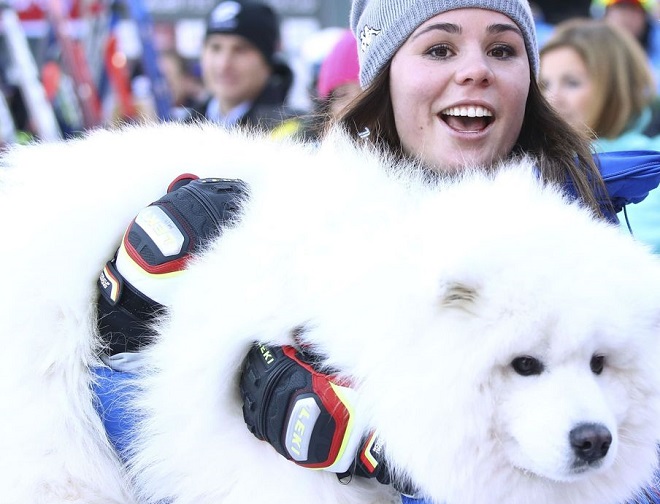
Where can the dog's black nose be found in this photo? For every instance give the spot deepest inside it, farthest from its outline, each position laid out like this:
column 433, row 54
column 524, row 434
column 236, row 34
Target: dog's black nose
column 590, row 441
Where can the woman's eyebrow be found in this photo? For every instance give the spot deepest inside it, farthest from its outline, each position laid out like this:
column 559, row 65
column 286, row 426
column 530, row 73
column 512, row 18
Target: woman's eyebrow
column 504, row 27
column 456, row 29
column 445, row 27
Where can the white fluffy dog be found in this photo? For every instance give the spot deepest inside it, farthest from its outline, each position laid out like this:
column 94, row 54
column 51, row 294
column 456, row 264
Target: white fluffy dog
column 493, row 331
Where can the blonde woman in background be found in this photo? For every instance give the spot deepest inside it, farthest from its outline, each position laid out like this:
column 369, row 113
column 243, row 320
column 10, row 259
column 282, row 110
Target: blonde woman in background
column 597, row 77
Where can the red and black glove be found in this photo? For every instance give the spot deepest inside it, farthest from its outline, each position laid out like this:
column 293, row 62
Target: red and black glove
column 308, row 416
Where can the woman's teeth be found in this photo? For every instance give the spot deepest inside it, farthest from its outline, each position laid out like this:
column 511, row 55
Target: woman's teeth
column 467, row 112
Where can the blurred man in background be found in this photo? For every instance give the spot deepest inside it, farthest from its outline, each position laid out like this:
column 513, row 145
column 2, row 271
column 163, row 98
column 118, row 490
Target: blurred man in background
column 246, row 82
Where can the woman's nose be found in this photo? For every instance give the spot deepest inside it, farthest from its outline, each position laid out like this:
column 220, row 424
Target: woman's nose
column 475, row 69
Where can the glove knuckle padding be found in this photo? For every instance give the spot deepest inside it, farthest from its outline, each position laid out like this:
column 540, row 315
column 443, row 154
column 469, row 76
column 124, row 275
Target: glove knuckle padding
column 136, row 284
column 298, row 410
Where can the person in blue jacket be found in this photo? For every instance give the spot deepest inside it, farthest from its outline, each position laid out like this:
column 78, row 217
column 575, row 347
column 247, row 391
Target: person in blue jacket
column 448, row 82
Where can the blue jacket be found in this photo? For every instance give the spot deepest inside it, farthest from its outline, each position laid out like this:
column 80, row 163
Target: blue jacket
column 643, row 218
column 629, row 175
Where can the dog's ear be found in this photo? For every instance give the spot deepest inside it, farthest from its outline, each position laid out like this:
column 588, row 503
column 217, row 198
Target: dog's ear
column 459, row 295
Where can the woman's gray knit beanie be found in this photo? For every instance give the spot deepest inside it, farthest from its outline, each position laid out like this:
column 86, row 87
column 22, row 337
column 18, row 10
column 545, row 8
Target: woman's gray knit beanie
column 382, row 26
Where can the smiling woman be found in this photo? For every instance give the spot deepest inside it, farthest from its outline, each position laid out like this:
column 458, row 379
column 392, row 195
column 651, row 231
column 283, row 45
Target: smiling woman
column 461, row 86
column 424, row 65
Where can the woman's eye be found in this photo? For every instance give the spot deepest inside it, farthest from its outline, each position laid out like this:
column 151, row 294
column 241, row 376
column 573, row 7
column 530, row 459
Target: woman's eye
column 440, row 51
column 573, row 83
column 501, row 52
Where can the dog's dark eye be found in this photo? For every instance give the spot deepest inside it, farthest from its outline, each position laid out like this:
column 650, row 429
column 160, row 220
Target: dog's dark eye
column 527, row 366
column 597, row 364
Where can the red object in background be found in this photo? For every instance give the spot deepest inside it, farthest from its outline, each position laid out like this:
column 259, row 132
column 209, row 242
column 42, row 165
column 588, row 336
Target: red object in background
column 75, row 64
column 50, row 79
column 37, row 10
column 119, row 77
column 81, row 8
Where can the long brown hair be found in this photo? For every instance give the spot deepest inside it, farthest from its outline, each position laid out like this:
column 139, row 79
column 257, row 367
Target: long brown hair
column 563, row 155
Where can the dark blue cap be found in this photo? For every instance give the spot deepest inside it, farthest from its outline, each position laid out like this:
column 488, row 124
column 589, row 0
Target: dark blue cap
column 257, row 22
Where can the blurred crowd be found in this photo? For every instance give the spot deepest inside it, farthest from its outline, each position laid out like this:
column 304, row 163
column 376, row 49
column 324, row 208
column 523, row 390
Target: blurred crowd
column 600, row 68
column 240, row 75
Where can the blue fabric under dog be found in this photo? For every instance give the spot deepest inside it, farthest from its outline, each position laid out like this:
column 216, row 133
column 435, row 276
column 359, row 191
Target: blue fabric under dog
column 112, row 390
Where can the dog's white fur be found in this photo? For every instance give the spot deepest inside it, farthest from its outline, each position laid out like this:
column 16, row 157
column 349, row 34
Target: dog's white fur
column 421, row 293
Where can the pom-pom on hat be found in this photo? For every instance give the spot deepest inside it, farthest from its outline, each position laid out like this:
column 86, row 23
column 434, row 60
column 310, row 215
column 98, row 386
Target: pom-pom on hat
column 256, row 22
column 382, row 26
column 340, row 66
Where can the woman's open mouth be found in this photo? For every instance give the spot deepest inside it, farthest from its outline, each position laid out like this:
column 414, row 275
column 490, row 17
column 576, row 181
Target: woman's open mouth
column 467, row 119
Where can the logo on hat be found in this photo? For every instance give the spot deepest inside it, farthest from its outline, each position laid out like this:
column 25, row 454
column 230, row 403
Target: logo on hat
column 225, row 15
column 367, row 37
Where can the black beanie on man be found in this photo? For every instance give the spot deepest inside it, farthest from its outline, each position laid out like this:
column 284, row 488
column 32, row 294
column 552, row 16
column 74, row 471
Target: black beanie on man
column 256, row 22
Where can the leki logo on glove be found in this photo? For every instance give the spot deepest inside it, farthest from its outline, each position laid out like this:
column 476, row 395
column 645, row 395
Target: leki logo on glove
column 303, row 417
column 267, row 355
column 162, row 230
